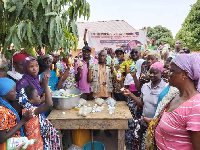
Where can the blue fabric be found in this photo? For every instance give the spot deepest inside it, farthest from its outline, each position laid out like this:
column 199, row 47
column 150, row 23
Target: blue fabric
column 6, row 85
column 53, row 81
column 162, row 94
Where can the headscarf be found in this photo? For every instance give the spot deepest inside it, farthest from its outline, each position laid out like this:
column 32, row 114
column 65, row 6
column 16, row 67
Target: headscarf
column 138, row 66
column 27, row 79
column 191, row 64
column 154, row 53
column 158, row 65
column 6, row 85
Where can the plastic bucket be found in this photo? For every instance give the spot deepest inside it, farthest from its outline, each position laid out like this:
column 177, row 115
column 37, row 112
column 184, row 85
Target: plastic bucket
column 97, row 146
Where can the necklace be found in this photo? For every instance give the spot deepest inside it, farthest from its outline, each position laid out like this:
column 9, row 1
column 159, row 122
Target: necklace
column 167, row 98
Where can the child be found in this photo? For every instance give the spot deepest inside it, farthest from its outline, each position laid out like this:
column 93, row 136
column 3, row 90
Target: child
column 68, row 78
column 10, row 123
column 38, row 127
column 3, row 73
column 30, row 77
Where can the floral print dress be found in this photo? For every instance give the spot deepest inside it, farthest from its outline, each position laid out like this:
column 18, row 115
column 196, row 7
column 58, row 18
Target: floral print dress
column 8, row 120
column 70, row 82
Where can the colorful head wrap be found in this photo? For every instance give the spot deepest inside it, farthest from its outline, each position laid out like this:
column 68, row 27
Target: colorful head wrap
column 158, row 65
column 18, row 57
column 6, row 85
column 191, row 64
column 154, row 53
column 28, row 79
column 25, row 62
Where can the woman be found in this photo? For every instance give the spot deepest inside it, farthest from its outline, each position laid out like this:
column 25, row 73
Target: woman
column 117, row 85
column 152, row 57
column 30, row 77
column 148, row 101
column 45, row 64
column 10, row 123
column 178, row 125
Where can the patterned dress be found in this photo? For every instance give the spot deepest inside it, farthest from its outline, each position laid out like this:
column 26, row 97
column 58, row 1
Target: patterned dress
column 39, row 126
column 33, row 130
column 136, row 113
column 70, row 82
column 8, row 120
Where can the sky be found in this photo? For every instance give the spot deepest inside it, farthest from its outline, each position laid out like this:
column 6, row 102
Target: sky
column 140, row 13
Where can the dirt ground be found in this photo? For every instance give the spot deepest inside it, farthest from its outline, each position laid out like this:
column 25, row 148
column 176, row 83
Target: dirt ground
column 110, row 143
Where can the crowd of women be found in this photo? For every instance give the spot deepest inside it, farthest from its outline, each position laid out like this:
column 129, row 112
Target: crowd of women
column 162, row 94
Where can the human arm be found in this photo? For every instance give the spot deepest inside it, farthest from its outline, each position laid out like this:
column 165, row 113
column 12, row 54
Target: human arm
column 48, row 99
column 147, row 120
column 192, row 123
column 20, row 146
column 195, row 136
column 4, row 134
column 77, row 72
column 84, row 37
column 89, row 75
column 139, row 101
column 63, row 77
column 136, row 81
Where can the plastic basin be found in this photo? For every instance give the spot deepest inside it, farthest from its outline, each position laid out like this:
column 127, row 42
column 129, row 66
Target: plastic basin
column 97, row 146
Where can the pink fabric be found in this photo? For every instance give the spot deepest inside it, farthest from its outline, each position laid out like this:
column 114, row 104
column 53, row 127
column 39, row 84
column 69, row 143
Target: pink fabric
column 83, row 85
column 158, row 65
column 172, row 130
column 132, row 88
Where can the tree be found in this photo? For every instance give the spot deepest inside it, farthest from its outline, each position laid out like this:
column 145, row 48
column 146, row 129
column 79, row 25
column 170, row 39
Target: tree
column 162, row 35
column 49, row 24
column 189, row 34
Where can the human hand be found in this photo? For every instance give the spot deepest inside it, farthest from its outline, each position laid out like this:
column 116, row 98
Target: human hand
column 85, row 30
column 42, row 99
column 60, row 72
column 117, row 66
column 20, row 146
column 79, row 69
column 26, row 116
column 45, row 80
column 133, row 74
column 166, row 80
column 126, row 92
column 147, row 120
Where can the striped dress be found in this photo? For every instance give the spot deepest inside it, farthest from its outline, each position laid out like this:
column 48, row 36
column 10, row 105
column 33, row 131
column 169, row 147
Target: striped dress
column 172, row 130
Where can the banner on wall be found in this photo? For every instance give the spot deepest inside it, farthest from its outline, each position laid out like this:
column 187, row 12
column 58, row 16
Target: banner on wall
column 114, row 41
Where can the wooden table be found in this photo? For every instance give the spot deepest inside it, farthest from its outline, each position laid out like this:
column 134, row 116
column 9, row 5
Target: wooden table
column 98, row 120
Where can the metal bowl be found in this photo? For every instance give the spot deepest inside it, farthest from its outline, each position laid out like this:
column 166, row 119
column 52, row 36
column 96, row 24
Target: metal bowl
column 67, row 103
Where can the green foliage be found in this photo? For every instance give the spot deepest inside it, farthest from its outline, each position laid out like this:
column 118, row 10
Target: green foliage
column 36, row 24
column 189, row 34
column 162, row 35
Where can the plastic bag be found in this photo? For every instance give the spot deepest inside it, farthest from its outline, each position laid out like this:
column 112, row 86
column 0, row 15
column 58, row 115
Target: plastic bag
column 74, row 147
